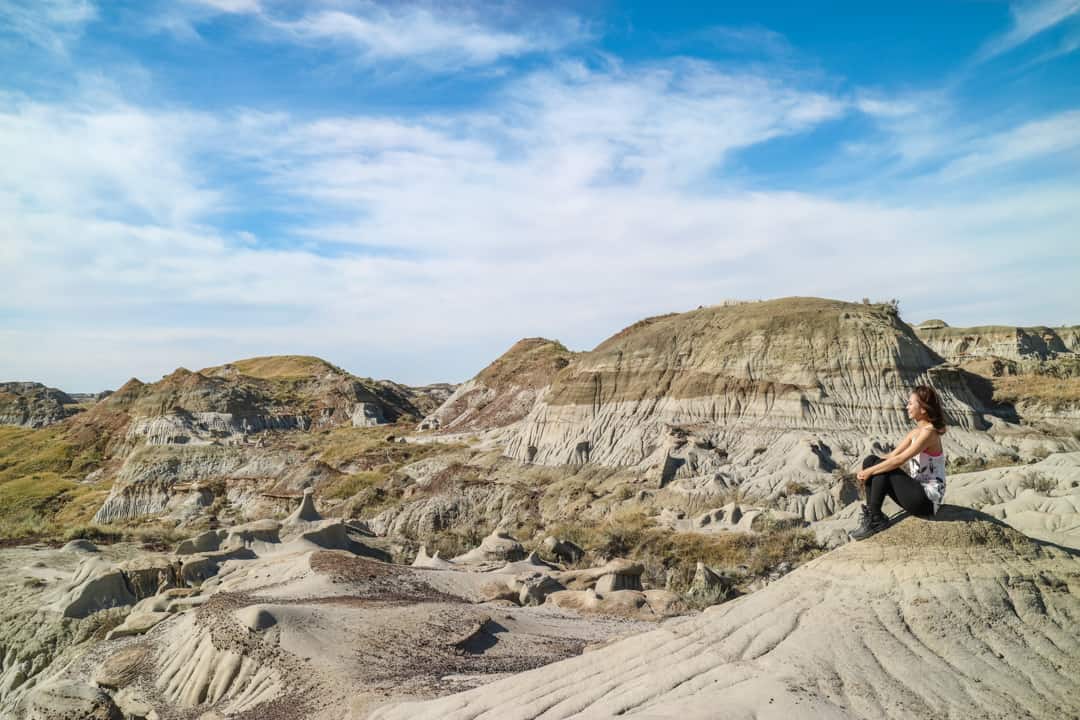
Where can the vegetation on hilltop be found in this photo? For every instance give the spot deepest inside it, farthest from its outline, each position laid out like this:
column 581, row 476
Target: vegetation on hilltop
column 273, row 367
column 530, row 362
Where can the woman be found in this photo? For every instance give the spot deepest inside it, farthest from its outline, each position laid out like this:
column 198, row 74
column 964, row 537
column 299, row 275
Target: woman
column 921, row 489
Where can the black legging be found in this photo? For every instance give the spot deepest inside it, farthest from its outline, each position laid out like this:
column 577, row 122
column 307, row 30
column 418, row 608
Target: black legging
column 897, row 484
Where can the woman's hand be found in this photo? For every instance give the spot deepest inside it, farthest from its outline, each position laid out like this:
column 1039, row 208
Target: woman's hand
column 863, row 475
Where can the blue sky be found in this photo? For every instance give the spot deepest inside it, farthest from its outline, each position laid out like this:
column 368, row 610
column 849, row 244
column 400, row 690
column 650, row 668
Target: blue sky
column 405, row 189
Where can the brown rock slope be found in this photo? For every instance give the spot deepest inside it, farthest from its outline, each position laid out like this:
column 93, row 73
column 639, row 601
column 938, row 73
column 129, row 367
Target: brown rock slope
column 959, row 617
column 503, row 392
column 775, row 390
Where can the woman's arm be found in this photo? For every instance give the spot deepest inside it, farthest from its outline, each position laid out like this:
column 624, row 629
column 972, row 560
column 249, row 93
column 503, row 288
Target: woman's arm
column 903, row 445
column 916, row 444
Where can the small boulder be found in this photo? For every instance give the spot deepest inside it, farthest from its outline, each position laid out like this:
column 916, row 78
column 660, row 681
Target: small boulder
column 137, row 623
column 563, row 550
column 80, row 545
column 536, row 587
column 499, row 546
column 709, row 586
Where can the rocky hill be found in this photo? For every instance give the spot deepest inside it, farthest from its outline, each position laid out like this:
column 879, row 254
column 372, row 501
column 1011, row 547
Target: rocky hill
column 503, row 392
column 1002, row 341
column 1034, row 370
column 31, row 404
column 176, row 444
column 765, row 392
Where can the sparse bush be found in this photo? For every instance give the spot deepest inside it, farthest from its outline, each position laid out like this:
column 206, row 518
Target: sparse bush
column 715, row 596
column 459, row 540
column 157, row 536
column 795, row 488
column 94, row 533
column 1038, row 482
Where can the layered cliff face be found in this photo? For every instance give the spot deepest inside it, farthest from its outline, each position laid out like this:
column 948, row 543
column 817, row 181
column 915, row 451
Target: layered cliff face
column 1003, row 341
column 770, row 391
column 1035, row 370
column 31, row 404
column 503, row 392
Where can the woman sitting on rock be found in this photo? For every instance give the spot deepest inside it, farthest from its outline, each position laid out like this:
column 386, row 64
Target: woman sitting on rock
column 921, row 489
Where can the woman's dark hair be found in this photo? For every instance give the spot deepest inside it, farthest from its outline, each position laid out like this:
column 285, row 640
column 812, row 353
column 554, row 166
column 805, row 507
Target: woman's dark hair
column 928, row 398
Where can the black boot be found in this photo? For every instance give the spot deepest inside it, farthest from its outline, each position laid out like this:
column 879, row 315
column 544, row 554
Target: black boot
column 872, row 522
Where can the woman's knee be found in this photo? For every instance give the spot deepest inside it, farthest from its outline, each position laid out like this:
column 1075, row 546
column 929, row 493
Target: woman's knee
column 870, row 461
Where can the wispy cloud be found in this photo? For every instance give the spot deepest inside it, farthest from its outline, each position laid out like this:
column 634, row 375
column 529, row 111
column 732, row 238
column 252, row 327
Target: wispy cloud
column 101, row 158
column 1029, row 18
column 443, row 37
column 1056, row 136
column 50, row 24
column 568, row 207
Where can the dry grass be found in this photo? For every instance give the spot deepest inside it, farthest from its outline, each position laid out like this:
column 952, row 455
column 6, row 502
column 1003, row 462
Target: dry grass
column 1054, row 391
column 24, row 452
column 367, row 448
column 529, row 363
column 974, row 464
column 350, row 485
column 30, row 506
column 276, row 367
column 670, row 558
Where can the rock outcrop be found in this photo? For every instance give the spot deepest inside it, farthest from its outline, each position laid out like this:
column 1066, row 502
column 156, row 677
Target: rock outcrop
column 958, row 344
column 32, row 405
column 503, row 392
column 956, row 617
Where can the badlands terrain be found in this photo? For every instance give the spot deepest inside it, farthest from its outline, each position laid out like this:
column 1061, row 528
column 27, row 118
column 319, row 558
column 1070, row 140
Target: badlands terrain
column 653, row 528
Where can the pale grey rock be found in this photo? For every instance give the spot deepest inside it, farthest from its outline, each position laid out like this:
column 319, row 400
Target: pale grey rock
column 535, row 587
column 70, row 700
column 306, row 512
column 563, row 550
column 499, row 546
column 368, row 415
column 80, row 545
column 137, row 623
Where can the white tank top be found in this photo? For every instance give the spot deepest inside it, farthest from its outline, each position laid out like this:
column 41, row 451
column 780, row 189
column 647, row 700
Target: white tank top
column 929, row 471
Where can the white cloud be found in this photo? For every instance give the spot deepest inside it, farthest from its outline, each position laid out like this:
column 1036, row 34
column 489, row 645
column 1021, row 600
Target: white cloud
column 109, row 161
column 1058, row 136
column 50, row 24
column 576, row 203
column 1030, row 18
column 436, row 36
